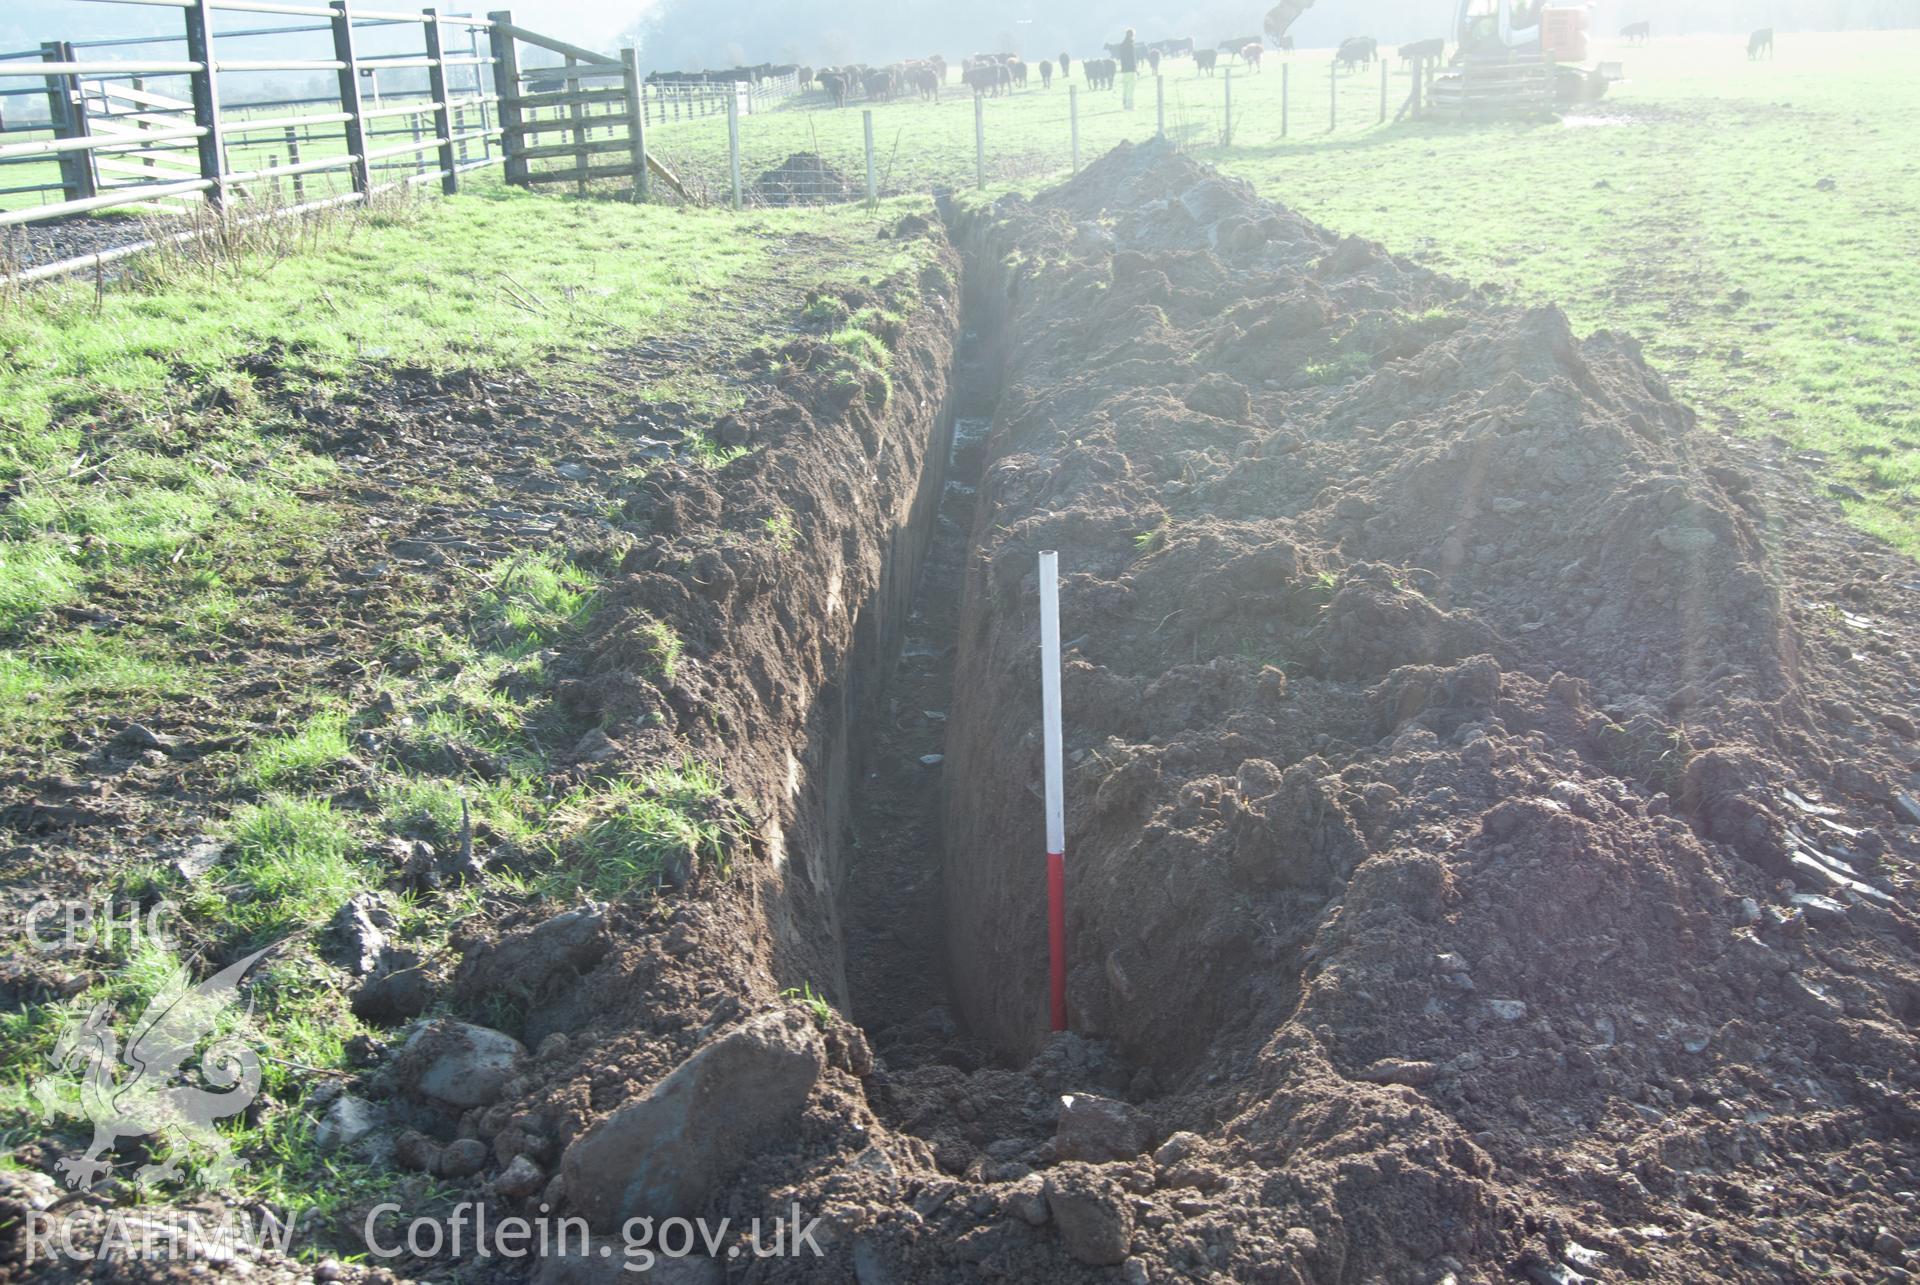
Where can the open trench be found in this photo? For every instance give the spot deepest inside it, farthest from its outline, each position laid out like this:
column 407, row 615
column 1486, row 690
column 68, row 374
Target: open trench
column 893, row 895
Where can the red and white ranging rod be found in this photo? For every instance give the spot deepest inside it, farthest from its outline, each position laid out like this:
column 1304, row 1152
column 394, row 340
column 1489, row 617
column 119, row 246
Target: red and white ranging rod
column 1056, row 788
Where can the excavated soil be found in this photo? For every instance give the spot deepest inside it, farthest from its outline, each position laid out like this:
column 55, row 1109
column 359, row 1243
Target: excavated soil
column 1488, row 842
column 804, row 178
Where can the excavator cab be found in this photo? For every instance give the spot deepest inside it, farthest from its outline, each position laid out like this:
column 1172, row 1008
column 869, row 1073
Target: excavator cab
column 1498, row 30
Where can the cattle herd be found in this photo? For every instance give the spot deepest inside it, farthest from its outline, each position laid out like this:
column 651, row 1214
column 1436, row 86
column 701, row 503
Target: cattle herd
column 997, row 74
column 993, row 75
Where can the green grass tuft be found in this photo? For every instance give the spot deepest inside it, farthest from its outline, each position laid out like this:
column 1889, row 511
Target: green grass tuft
column 301, row 755
column 292, row 866
column 663, row 825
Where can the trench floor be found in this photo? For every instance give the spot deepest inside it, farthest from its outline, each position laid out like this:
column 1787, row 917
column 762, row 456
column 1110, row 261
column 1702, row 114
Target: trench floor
column 896, row 969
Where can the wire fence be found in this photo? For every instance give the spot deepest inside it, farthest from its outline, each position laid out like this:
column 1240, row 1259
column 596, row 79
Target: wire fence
column 812, row 150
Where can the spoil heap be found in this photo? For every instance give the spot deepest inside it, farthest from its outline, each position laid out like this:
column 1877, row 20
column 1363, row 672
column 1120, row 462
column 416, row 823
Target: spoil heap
column 1474, row 863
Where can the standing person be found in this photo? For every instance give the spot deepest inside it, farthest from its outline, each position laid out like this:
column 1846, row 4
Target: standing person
column 1129, row 67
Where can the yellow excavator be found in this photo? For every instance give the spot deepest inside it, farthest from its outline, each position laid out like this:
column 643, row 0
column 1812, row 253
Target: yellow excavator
column 1515, row 57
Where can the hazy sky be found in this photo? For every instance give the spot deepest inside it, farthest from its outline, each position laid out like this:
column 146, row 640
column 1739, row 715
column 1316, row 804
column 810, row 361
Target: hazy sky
column 714, row 31
column 25, row 23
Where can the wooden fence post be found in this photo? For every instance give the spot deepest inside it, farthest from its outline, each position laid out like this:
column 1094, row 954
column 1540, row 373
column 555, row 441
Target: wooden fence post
column 1286, row 96
column 1159, row 105
column 442, row 109
column 146, row 160
column 1383, row 91
column 873, row 181
column 733, row 146
column 506, row 85
column 480, row 91
column 1073, row 116
column 582, row 159
column 1333, row 97
column 293, row 158
column 1226, row 137
column 69, row 116
column 636, row 122
column 356, row 129
column 980, row 140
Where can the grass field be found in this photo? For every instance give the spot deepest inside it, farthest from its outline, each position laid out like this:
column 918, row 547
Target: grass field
column 133, row 452
column 1691, row 208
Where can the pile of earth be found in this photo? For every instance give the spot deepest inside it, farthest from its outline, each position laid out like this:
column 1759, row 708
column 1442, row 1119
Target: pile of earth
column 804, row 178
column 1479, row 862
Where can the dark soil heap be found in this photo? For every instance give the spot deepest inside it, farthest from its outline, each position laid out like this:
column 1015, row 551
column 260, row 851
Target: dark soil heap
column 803, row 179
column 1467, row 847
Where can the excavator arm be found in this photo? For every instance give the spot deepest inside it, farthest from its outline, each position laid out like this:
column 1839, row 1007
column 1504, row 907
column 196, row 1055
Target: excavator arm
column 1283, row 15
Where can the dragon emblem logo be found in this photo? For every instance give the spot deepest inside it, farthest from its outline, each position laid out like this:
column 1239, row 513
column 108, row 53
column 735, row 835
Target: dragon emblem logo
column 148, row 1103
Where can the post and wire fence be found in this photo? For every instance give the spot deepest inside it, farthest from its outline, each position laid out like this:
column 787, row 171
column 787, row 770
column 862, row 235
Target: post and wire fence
column 814, row 149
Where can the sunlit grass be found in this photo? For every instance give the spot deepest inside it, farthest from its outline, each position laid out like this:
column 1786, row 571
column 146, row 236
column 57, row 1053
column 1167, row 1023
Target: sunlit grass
column 300, row 755
column 628, row 835
column 293, row 865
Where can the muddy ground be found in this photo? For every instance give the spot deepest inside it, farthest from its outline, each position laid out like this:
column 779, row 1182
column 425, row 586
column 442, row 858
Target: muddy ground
column 1491, row 809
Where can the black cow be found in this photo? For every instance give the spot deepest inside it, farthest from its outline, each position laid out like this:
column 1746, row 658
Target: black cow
column 836, row 86
column 1100, row 72
column 1205, row 60
column 1066, row 67
column 1153, row 61
column 1172, row 48
column 1759, row 42
column 1357, row 51
column 984, row 78
column 1428, row 52
column 1636, row 33
column 1018, row 68
column 1046, row 73
column 880, row 85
